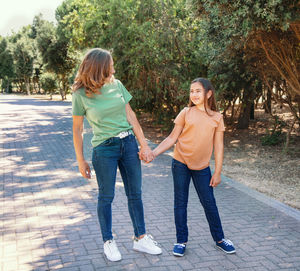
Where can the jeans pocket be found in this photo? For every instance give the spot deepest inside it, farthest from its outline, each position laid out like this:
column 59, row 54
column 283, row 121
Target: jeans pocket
column 107, row 142
column 205, row 171
column 100, row 148
column 178, row 164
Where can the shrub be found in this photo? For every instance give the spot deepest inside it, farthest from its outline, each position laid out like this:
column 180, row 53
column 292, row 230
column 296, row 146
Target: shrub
column 49, row 83
column 275, row 136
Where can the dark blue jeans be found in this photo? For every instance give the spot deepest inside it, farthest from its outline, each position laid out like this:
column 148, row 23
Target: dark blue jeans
column 201, row 178
column 122, row 153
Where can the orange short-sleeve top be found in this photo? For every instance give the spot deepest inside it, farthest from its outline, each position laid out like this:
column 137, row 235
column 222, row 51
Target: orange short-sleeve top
column 195, row 144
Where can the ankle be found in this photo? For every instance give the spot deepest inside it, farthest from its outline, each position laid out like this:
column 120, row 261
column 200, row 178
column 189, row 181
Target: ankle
column 140, row 237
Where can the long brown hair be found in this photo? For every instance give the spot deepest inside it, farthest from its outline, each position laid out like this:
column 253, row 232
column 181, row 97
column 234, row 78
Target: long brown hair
column 207, row 86
column 94, row 71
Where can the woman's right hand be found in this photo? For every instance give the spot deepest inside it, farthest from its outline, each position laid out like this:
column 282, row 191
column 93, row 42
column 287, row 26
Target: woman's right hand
column 145, row 154
column 84, row 169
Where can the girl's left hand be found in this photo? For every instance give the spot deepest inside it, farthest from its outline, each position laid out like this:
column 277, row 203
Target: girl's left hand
column 215, row 180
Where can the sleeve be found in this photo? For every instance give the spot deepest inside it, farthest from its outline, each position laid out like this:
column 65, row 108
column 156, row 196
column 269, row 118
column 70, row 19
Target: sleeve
column 180, row 119
column 221, row 126
column 77, row 105
column 126, row 95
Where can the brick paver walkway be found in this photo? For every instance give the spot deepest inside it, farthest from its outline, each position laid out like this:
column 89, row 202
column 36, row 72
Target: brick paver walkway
column 48, row 212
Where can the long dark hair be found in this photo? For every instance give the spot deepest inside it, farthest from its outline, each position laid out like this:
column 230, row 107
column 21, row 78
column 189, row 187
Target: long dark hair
column 211, row 101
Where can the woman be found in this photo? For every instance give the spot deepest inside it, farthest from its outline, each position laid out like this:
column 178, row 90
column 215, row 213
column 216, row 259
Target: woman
column 104, row 101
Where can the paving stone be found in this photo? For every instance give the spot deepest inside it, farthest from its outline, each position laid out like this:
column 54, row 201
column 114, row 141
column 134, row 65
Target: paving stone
column 48, row 218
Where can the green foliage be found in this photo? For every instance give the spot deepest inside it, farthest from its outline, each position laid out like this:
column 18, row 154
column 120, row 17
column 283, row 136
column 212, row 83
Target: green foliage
column 48, row 82
column 154, row 45
column 227, row 29
column 275, row 136
column 24, row 57
column 23, row 61
column 6, row 61
column 56, row 53
column 159, row 47
column 239, row 18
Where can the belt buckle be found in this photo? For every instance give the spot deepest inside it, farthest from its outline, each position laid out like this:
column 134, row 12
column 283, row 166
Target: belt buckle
column 123, row 134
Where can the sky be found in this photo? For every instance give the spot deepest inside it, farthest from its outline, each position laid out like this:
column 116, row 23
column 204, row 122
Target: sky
column 17, row 13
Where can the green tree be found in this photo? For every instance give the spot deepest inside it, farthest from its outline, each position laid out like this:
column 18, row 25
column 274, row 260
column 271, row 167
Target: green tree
column 243, row 27
column 154, row 46
column 27, row 61
column 55, row 52
column 49, row 83
column 6, row 65
column 23, row 53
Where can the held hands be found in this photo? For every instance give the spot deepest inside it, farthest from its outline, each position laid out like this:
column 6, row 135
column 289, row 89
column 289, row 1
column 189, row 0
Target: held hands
column 84, row 169
column 215, row 180
column 146, row 154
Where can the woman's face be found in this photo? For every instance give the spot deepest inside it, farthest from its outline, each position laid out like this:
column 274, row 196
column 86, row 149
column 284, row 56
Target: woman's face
column 112, row 69
column 197, row 93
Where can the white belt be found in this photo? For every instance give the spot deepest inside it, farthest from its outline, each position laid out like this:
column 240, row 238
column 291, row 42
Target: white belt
column 124, row 134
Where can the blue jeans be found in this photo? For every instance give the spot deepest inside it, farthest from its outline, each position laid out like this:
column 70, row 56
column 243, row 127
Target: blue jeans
column 107, row 156
column 201, row 178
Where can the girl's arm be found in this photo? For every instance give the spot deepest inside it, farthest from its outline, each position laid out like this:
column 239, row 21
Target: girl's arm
column 218, row 152
column 146, row 153
column 169, row 141
column 78, row 145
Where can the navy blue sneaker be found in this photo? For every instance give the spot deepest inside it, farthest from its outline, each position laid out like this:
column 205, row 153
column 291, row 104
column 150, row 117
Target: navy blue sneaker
column 179, row 249
column 226, row 246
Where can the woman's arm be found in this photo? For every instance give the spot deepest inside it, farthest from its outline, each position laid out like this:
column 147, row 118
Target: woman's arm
column 78, row 145
column 169, row 141
column 146, row 153
column 218, row 152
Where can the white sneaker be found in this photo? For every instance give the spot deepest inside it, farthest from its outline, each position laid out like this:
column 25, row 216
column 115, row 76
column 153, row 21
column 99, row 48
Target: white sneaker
column 111, row 251
column 147, row 244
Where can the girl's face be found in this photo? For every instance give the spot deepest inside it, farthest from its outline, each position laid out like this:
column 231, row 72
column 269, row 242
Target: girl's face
column 197, row 93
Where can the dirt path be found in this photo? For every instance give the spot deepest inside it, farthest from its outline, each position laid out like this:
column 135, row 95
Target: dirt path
column 263, row 168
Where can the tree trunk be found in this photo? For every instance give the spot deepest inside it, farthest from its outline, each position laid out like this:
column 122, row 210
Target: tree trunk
column 7, row 87
column 232, row 110
column 27, row 82
column 247, row 102
column 225, row 111
column 297, row 98
column 252, row 109
column 288, row 136
column 268, row 105
column 61, row 92
column 244, row 117
column 61, row 89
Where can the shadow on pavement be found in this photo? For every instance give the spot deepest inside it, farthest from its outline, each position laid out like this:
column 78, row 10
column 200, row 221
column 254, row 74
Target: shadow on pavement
column 48, row 213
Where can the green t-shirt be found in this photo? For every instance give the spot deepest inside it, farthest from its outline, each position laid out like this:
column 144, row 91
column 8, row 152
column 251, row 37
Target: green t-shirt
column 105, row 112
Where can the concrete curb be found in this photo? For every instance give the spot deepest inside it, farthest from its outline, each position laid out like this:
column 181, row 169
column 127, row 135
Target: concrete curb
column 290, row 211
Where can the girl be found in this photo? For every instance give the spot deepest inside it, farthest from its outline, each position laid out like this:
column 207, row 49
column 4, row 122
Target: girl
column 104, row 101
column 198, row 130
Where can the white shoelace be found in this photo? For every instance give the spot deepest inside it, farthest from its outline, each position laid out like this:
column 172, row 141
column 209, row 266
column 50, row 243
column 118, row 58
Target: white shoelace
column 147, row 237
column 227, row 242
column 180, row 245
column 150, row 237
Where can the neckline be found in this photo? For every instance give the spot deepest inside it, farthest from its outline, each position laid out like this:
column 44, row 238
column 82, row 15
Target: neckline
column 203, row 111
column 200, row 109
